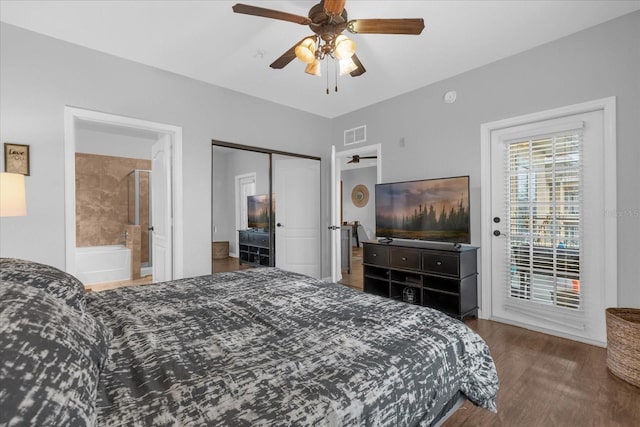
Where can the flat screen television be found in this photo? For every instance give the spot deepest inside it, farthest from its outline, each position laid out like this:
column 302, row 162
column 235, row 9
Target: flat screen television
column 258, row 211
column 429, row 209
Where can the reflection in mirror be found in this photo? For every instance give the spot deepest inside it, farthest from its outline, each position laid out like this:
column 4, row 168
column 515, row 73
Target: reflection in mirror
column 238, row 241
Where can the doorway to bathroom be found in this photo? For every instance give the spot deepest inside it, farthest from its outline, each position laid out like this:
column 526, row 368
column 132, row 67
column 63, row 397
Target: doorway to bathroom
column 124, row 219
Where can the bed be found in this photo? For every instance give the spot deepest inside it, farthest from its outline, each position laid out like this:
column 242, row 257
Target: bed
column 254, row 347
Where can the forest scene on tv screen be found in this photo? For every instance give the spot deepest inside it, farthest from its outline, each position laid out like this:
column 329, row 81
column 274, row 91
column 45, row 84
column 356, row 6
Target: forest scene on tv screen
column 436, row 209
column 258, row 211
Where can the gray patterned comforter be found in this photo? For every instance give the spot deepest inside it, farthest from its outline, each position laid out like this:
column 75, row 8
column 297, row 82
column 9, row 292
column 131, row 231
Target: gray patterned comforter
column 267, row 347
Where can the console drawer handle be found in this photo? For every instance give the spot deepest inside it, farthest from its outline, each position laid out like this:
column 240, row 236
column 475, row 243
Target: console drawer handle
column 438, row 262
column 375, row 254
column 404, row 258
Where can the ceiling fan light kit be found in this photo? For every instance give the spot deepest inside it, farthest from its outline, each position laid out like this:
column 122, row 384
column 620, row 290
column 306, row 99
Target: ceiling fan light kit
column 344, row 48
column 314, row 68
column 347, row 66
column 306, row 50
column 328, row 19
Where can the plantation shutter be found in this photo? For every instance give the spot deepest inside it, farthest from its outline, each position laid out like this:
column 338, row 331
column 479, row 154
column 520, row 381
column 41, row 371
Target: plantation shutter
column 544, row 185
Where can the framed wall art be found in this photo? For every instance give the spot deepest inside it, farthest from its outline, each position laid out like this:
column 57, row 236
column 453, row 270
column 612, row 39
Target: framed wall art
column 16, row 158
column 360, row 195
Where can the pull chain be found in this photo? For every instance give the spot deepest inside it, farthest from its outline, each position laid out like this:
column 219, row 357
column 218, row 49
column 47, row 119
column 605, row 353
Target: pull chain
column 335, row 68
column 327, row 62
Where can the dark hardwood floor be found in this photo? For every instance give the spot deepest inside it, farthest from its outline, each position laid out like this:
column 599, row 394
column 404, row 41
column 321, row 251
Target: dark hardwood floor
column 227, row 264
column 354, row 279
column 550, row 381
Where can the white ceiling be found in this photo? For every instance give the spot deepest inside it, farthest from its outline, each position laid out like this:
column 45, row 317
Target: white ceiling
column 206, row 41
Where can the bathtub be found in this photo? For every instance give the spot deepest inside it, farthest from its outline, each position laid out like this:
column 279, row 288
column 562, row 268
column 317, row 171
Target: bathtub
column 99, row 264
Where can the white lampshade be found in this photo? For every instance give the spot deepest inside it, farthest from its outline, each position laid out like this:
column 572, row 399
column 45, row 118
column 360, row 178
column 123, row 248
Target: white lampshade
column 13, row 199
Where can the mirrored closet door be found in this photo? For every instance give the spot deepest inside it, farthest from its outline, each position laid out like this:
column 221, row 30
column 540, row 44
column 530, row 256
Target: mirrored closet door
column 265, row 210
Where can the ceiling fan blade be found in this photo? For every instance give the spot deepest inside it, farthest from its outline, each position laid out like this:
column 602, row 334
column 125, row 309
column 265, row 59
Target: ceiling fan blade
column 360, row 70
column 270, row 13
column 386, row 26
column 288, row 56
column 368, row 157
column 334, row 7
column 351, row 161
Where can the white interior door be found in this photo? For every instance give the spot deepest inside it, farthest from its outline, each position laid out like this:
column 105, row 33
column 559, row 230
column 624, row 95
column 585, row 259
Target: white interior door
column 245, row 186
column 337, row 159
column 161, row 210
column 296, row 184
column 547, row 217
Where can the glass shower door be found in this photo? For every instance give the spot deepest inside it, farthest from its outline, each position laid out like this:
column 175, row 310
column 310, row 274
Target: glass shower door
column 139, row 213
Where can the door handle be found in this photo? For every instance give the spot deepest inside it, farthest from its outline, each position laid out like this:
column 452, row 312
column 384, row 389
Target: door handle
column 334, row 227
column 497, row 233
column 150, row 228
column 279, row 225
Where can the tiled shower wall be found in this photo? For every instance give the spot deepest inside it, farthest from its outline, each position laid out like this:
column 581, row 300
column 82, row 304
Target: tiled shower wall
column 101, row 200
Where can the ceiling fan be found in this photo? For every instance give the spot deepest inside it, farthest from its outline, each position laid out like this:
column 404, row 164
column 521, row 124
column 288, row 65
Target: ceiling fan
column 328, row 19
column 356, row 158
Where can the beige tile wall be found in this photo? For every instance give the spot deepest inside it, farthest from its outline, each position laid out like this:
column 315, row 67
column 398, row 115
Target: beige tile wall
column 101, row 200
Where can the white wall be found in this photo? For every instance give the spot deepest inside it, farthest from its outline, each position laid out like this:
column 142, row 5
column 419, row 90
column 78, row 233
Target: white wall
column 39, row 75
column 223, row 222
column 350, row 212
column 106, row 142
column 444, row 139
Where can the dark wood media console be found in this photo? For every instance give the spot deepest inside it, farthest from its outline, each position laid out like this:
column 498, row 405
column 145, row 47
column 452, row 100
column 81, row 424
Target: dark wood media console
column 255, row 248
column 429, row 274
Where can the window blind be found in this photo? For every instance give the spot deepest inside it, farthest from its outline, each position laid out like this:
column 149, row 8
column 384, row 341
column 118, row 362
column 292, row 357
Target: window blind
column 544, row 198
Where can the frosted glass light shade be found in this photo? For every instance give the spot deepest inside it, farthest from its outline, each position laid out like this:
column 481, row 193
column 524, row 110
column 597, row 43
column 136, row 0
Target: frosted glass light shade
column 306, row 51
column 347, row 66
column 344, row 47
column 13, row 199
column 314, row 68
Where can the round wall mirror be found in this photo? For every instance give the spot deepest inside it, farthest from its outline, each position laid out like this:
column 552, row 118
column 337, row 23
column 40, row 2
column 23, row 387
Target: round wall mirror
column 360, row 195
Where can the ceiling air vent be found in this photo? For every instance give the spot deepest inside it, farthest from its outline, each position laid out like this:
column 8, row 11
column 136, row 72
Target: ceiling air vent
column 355, row 135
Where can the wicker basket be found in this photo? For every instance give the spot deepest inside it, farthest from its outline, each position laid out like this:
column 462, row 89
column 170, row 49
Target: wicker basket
column 623, row 343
